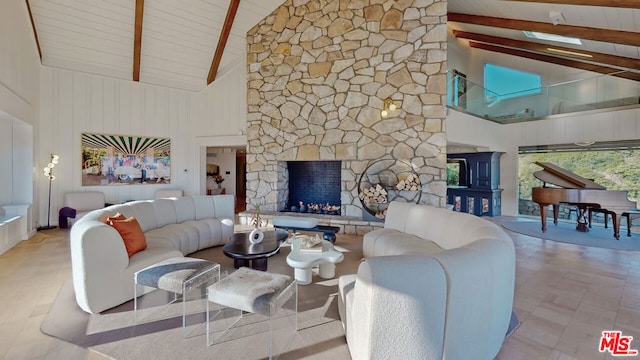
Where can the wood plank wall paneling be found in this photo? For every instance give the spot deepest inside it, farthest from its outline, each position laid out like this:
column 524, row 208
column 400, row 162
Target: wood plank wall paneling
column 73, row 103
column 19, row 63
column 6, row 149
column 216, row 99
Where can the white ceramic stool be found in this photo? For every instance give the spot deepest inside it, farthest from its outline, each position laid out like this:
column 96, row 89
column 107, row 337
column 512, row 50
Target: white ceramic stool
column 258, row 292
column 177, row 275
column 304, row 261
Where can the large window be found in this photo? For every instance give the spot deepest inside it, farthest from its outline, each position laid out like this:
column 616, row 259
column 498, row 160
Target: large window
column 504, row 83
column 613, row 165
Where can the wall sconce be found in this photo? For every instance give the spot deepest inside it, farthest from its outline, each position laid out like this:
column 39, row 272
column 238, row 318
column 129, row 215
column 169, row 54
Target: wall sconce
column 388, row 107
column 48, row 172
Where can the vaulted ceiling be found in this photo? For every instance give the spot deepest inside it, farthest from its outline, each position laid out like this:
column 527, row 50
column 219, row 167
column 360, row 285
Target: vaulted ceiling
column 609, row 31
column 181, row 44
column 187, row 44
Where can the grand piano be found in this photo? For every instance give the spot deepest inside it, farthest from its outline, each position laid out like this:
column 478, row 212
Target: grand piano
column 573, row 189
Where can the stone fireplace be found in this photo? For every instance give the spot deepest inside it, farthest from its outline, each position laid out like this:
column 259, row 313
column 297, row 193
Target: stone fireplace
column 319, row 72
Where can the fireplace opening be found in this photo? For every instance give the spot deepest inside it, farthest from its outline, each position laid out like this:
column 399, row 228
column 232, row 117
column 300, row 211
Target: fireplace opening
column 314, row 187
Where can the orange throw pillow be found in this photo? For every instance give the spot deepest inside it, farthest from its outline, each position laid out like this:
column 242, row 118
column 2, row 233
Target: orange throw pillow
column 108, row 219
column 132, row 235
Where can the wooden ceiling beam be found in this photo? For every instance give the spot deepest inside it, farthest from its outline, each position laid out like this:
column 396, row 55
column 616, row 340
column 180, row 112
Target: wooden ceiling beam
column 624, row 62
column 631, row 4
column 35, row 33
column 137, row 39
column 556, row 60
column 222, row 40
column 580, row 32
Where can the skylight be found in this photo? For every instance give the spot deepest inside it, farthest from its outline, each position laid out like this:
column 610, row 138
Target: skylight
column 552, row 37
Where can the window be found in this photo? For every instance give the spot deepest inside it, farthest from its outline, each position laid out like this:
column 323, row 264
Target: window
column 502, row 83
column 610, row 164
column 552, row 37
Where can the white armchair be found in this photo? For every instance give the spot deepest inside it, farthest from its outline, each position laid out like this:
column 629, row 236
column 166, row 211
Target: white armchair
column 435, row 284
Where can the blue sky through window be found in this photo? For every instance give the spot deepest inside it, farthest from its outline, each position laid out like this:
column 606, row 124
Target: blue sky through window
column 504, row 83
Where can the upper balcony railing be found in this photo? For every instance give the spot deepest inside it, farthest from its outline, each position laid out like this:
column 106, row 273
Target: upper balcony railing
column 600, row 92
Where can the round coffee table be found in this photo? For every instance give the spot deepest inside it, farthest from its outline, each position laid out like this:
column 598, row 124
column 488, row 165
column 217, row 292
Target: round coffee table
column 244, row 253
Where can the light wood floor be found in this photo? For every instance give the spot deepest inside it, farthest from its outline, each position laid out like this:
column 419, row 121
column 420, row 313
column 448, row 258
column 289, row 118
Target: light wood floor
column 566, row 295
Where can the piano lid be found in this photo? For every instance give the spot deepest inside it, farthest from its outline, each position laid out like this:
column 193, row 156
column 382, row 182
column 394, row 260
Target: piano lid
column 553, row 174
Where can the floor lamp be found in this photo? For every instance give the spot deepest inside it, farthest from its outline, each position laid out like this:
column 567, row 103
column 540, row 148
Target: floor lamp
column 48, row 172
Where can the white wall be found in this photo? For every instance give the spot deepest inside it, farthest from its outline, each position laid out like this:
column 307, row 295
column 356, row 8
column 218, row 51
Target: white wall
column 73, row 103
column 221, row 120
column 19, row 63
column 19, row 81
column 222, row 106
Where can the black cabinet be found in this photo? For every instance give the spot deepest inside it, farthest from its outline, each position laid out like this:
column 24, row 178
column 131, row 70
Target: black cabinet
column 476, row 202
column 485, row 169
column 482, row 196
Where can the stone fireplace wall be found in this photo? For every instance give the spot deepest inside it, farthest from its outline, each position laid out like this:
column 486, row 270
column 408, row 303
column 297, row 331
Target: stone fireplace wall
column 318, row 74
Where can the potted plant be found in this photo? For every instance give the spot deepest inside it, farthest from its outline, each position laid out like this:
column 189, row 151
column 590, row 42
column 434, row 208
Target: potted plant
column 218, row 179
column 256, row 220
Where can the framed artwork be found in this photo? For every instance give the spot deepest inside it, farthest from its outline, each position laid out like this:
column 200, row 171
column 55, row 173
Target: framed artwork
column 125, row 160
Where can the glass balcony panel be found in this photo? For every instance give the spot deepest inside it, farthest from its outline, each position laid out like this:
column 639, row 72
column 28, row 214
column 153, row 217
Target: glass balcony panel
column 600, row 92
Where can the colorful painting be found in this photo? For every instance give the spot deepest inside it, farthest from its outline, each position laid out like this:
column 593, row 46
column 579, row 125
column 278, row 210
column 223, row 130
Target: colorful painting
column 125, row 160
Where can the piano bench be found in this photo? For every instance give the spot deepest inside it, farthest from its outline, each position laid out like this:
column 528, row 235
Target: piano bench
column 629, row 215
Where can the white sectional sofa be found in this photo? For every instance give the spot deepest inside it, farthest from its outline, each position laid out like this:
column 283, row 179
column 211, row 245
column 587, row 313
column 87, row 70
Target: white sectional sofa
column 102, row 270
column 435, row 284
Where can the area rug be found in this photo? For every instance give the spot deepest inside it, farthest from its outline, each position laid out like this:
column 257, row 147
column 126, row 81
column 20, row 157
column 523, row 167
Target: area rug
column 566, row 232
column 158, row 335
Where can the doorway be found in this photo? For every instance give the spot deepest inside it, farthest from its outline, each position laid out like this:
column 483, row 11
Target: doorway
column 241, row 183
column 226, row 173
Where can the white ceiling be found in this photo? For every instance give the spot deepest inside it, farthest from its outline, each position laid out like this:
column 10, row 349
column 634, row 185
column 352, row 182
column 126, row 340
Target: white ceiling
column 179, row 38
column 614, row 18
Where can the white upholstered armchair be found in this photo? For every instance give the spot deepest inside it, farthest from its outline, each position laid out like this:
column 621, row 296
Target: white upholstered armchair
column 435, row 284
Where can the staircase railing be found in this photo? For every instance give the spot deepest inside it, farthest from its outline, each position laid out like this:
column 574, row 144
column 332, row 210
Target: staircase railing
column 600, row 92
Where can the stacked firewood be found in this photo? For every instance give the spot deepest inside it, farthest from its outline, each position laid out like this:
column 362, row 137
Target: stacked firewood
column 374, row 194
column 382, row 214
column 411, row 183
